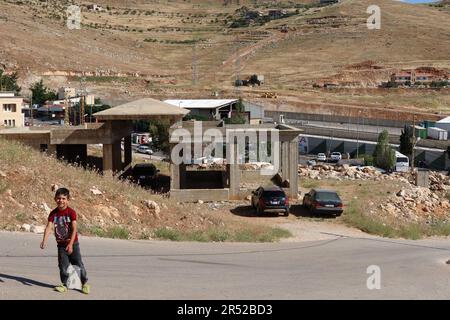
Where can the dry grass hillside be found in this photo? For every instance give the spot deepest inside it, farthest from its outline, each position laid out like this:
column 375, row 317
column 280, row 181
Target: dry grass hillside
column 142, row 48
column 120, row 210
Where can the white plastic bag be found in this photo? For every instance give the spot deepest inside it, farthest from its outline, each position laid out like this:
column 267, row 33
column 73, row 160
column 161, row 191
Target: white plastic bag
column 74, row 281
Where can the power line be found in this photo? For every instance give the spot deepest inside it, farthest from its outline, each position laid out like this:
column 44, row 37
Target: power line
column 194, row 63
column 238, row 67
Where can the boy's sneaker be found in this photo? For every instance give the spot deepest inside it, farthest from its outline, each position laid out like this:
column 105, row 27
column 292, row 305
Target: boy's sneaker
column 61, row 288
column 85, row 289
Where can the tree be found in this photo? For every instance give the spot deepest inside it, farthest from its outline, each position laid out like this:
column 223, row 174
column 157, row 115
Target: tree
column 236, row 119
column 9, row 82
column 159, row 131
column 406, row 140
column 384, row 154
column 41, row 93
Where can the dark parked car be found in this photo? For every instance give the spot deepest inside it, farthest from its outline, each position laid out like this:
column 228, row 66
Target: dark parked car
column 270, row 198
column 144, row 173
column 323, row 201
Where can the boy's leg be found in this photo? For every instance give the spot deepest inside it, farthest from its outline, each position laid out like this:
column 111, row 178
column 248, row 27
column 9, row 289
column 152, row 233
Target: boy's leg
column 63, row 264
column 75, row 259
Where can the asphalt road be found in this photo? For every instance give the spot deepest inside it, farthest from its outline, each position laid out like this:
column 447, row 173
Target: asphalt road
column 330, row 269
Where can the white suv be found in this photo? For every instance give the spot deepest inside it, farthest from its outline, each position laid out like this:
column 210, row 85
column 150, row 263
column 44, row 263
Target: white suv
column 336, row 156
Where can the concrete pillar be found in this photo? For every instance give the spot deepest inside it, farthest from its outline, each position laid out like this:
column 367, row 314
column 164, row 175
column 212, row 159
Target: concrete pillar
column 235, row 174
column 293, row 169
column 128, row 152
column 107, row 159
column 174, row 176
column 112, row 161
column 284, row 160
column 117, row 157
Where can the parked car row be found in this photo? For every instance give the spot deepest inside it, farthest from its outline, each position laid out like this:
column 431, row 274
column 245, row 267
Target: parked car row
column 334, row 157
column 317, row 201
column 322, row 157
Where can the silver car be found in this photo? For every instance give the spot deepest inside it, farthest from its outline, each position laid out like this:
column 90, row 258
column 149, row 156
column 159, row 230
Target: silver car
column 144, row 149
column 336, row 156
column 321, row 157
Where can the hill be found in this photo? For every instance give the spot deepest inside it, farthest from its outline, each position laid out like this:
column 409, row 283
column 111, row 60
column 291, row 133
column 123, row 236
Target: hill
column 147, row 49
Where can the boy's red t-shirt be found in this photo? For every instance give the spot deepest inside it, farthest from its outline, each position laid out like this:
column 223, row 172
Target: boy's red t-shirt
column 62, row 221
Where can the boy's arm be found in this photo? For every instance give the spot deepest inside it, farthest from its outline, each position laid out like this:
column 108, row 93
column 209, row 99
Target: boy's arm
column 69, row 247
column 47, row 231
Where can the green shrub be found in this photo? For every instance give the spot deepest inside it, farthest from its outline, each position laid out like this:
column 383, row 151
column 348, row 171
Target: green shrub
column 117, row 233
column 220, row 235
column 167, row 234
column 21, row 217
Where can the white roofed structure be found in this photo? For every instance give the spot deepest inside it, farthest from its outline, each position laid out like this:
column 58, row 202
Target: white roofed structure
column 218, row 109
column 445, row 120
column 444, row 124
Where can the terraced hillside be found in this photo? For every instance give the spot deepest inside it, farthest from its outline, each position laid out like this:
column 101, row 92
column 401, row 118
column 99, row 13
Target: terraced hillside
column 192, row 48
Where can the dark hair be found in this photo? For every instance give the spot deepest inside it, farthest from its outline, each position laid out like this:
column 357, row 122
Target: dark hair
column 63, row 192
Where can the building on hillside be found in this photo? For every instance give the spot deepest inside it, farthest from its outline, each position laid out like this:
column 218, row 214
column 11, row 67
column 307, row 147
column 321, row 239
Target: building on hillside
column 402, row 77
column 252, row 15
column 66, row 93
column 11, row 110
column 276, row 14
column 218, row 109
column 95, row 7
column 413, row 76
column 89, row 100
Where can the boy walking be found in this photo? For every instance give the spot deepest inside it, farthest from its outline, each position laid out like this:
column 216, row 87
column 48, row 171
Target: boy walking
column 64, row 221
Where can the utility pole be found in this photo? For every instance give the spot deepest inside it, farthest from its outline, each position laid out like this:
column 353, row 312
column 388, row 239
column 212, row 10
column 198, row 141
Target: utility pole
column 82, row 110
column 194, row 63
column 238, row 66
column 82, row 100
column 31, row 109
column 414, row 143
column 357, row 135
column 66, row 113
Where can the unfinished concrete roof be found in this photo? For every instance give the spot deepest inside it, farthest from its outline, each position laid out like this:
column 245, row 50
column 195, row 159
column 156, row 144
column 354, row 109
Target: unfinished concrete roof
column 143, row 109
column 23, row 130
